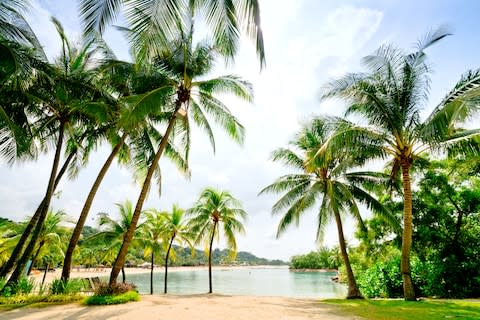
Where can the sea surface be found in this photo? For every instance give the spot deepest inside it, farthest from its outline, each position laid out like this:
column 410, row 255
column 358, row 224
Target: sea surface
column 255, row 281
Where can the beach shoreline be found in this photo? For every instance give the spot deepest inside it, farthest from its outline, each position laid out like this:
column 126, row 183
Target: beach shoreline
column 79, row 273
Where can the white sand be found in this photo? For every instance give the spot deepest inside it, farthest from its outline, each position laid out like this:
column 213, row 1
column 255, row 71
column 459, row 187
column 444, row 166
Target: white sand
column 193, row 307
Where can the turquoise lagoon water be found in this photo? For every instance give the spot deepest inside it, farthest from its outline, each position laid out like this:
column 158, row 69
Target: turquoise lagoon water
column 256, row 281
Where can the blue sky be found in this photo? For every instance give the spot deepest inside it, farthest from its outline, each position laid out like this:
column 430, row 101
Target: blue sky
column 307, row 43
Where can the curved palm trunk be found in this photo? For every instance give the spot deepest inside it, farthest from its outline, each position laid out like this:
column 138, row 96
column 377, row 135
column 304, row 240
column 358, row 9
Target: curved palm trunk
column 35, row 257
column 353, row 291
column 7, row 267
column 151, row 272
column 48, row 197
column 408, row 290
column 124, row 278
column 166, row 265
column 210, row 290
column 120, row 260
column 45, row 275
column 67, row 262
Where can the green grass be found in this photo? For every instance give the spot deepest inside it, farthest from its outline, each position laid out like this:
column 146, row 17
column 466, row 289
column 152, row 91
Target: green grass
column 23, row 300
column 403, row 310
column 112, row 299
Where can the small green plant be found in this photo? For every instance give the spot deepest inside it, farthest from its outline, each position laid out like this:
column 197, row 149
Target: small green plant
column 72, row 286
column 23, row 286
column 112, row 299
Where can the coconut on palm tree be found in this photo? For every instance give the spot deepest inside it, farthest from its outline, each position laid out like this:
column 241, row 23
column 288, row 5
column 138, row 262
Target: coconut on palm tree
column 390, row 97
column 322, row 175
column 214, row 213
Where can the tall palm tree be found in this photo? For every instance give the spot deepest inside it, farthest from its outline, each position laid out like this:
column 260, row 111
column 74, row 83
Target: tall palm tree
column 61, row 105
column 154, row 23
column 390, row 97
column 321, row 176
column 114, row 230
column 183, row 64
column 151, row 237
column 175, row 229
column 134, row 131
column 214, row 211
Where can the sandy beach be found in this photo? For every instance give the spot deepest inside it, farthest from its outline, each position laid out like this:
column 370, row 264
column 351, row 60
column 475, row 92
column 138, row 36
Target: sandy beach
column 192, row 307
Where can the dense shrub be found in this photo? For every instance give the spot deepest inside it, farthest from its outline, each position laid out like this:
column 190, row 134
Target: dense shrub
column 104, row 289
column 20, row 299
column 382, row 279
column 112, row 299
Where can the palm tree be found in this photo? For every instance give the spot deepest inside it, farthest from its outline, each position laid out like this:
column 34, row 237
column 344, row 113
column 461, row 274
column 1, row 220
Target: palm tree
column 155, row 23
column 61, row 105
column 214, row 211
column 151, row 237
column 390, row 97
column 50, row 236
column 133, row 131
column 175, row 229
column 114, row 230
column 321, row 174
column 184, row 64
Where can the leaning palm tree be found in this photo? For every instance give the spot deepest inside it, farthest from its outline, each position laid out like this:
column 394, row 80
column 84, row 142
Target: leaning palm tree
column 114, row 230
column 214, row 212
column 190, row 97
column 175, row 229
column 322, row 175
column 155, row 23
column 60, row 106
column 390, row 97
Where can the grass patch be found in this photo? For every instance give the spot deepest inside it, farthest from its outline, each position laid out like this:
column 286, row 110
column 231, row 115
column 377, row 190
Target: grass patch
column 23, row 300
column 407, row 310
column 112, row 299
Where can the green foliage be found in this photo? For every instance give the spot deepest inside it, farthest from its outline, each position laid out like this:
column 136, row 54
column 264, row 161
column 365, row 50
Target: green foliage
column 112, row 299
column 73, row 286
column 322, row 259
column 383, row 279
column 23, row 299
column 23, row 286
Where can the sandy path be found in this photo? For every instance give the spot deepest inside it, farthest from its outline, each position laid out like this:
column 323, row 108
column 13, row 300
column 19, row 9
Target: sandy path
column 194, row 307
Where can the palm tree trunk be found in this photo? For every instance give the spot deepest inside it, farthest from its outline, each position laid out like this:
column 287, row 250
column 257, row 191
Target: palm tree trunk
column 166, row 265
column 35, row 257
column 7, row 267
column 48, row 197
column 120, row 260
column 45, row 275
column 353, row 291
column 408, row 290
column 67, row 262
column 210, row 290
column 151, row 272
column 124, row 278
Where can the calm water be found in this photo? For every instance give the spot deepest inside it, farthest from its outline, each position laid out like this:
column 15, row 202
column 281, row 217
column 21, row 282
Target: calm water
column 245, row 281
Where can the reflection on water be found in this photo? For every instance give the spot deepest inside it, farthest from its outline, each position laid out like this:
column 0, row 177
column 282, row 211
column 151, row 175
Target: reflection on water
column 245, row 281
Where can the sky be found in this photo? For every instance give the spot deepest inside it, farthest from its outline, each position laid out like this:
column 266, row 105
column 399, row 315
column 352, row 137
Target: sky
column 307, row 43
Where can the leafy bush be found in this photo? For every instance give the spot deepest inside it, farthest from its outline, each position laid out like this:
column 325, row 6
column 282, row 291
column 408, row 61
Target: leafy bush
column 58, row 286
column 112, row 299
column 104, row 289
column 383, row 279
column 23, row 286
